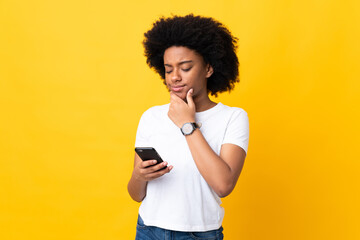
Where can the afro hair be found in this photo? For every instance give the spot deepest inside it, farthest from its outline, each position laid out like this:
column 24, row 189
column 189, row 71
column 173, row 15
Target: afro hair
column 206, row 36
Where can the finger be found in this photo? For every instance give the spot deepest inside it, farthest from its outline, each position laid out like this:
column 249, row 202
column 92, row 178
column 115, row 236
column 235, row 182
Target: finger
column 148, row 163
column 157, row 167
column 161, row 165
column 174, row 97
column 159, row 173
column 189, row 99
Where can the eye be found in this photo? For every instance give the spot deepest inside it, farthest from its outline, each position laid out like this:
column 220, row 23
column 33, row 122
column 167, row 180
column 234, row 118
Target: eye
column 186, row 69
column 168, row 70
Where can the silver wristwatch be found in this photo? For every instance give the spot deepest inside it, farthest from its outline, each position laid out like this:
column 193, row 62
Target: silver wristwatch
column 189, row 128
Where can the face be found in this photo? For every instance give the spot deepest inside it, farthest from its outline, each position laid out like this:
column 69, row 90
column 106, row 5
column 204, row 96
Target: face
column 186, row 69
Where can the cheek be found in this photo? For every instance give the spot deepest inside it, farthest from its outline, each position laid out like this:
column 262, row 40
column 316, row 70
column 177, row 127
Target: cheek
column 166, row 81
column 200, row 81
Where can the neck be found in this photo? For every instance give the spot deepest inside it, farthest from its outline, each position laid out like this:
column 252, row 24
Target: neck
column 203, row 103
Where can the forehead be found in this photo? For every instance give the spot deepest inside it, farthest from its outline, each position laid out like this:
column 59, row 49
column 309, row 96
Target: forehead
column 177, row 54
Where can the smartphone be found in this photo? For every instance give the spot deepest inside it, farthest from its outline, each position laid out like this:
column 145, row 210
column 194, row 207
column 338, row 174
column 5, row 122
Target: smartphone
column 148, row 153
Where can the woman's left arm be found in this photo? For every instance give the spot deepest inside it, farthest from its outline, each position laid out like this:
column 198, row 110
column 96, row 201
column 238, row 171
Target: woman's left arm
column 220, row 172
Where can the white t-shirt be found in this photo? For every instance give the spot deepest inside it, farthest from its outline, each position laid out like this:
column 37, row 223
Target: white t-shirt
column 182, row 200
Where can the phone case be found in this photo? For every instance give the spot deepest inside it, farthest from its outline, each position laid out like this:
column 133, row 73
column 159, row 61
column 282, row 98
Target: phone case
column 148, row 153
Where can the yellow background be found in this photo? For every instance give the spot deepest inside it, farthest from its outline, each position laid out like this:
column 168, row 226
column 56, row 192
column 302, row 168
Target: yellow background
column 74, row 83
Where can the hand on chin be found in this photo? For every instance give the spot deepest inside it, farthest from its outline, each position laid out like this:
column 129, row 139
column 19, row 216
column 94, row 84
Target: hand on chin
column 181, row 111
column 181, row 95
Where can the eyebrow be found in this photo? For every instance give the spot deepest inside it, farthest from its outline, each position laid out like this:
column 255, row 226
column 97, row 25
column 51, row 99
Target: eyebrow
column 183, row 62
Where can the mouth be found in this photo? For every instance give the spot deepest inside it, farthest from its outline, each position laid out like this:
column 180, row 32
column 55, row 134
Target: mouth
column 177, row 88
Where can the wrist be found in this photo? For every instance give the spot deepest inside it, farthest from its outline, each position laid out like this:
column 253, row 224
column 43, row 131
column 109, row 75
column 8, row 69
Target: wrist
column 184, row 122
column 189, row 127
column 138, row 178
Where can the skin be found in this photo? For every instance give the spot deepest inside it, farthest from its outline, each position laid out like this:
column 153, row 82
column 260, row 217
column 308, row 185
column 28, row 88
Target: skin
column 186, row 78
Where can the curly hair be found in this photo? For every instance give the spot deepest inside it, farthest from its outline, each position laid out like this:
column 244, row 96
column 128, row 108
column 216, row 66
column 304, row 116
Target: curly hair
column 206, row 36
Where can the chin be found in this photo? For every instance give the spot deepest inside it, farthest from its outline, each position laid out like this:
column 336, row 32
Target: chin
column 181, row 95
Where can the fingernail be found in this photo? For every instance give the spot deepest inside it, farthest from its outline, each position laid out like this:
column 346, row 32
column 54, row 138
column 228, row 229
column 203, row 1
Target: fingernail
column 154, row 161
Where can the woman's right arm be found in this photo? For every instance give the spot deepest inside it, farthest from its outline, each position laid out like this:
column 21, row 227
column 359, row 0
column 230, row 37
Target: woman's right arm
column 143, row 172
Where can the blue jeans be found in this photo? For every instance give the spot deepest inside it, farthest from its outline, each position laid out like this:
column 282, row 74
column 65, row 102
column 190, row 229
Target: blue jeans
column 144, row 232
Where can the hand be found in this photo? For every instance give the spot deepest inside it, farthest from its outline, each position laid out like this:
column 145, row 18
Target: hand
column 181, row 112
column 149, row 170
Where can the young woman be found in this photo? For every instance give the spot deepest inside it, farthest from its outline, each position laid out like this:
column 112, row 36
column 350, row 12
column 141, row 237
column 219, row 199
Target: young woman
column 203, row 143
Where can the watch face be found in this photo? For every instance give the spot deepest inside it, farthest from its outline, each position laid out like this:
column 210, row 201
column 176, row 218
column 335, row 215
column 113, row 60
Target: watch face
column 187, row 128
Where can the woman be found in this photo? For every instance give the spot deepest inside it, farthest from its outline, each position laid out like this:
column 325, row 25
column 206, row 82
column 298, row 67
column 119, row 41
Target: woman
column 203, row 143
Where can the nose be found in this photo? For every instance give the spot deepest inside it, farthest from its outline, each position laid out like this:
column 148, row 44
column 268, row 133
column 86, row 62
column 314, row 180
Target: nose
column 175, row 76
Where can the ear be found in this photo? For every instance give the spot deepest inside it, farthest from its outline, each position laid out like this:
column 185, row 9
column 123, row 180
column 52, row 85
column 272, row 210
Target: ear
column 209, row 71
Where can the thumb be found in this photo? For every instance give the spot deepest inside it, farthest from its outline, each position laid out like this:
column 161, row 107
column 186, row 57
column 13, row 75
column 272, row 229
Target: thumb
column 189, row 99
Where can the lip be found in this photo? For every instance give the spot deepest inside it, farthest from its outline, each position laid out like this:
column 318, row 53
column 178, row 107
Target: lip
column 177, row 88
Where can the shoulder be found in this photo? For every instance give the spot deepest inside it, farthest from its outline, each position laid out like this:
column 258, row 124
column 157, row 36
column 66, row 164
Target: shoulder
column 155, row 111
column 233, row 111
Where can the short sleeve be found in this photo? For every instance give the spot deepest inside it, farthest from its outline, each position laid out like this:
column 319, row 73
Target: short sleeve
column 142, row 134
column 237, row 131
